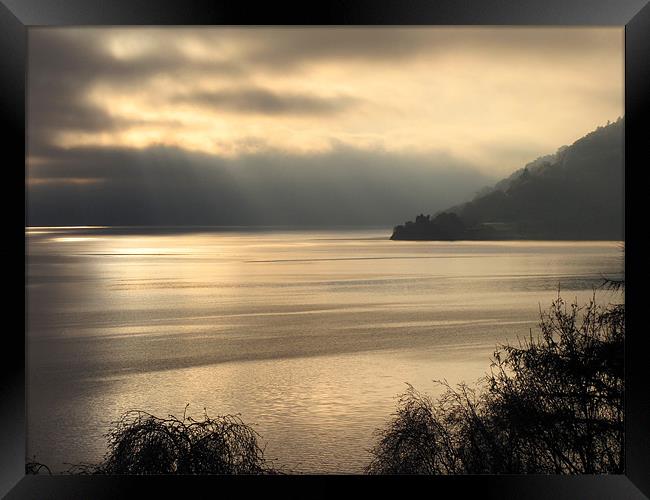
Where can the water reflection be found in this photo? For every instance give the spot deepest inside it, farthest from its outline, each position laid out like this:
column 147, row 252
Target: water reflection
column 309, row 335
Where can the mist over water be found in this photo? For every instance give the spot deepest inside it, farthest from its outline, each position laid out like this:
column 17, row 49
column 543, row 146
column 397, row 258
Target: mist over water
column 309, row 335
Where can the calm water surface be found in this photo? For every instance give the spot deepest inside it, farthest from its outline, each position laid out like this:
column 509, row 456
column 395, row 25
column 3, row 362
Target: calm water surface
column 309, row 335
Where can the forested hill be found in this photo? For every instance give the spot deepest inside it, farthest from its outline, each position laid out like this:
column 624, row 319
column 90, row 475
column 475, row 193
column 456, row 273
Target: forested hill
column 576, row 193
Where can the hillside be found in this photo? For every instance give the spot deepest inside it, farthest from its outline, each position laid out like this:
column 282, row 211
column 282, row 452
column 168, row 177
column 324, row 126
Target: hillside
column 576, row 193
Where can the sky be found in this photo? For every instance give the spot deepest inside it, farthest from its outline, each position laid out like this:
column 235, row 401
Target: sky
column 300, row 125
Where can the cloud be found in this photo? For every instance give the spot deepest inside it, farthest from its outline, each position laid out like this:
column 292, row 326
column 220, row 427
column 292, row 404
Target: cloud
column 300, row 125
column 257, row 100
column 170, row 186
column 65, row 65
column 294, row 47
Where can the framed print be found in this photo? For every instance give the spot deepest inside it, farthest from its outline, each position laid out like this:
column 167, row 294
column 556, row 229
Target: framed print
column 315, row 245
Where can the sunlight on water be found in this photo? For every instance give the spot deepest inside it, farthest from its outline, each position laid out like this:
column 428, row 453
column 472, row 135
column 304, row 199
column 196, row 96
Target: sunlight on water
column 310, row 335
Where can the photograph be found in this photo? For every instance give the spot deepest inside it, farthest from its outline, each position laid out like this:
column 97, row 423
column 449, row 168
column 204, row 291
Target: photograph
column 325, row 250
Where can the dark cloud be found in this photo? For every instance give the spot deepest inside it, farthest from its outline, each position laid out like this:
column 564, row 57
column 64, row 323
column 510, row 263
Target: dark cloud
column 83, row 55
column 257, row 100
column 64, row 64
column 284, row 49
column 166, row 186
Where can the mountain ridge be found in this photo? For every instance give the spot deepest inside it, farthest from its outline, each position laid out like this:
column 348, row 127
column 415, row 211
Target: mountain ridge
column 574, row 193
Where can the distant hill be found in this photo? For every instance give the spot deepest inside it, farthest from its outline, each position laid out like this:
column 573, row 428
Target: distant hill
column 576, row 193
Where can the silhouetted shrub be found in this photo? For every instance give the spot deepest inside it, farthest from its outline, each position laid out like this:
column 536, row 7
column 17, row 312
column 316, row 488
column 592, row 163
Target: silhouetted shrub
column 141, row 443
column 552, row 404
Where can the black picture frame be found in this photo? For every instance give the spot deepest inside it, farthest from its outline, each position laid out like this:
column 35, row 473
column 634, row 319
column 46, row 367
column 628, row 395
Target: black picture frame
column 15, row 18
